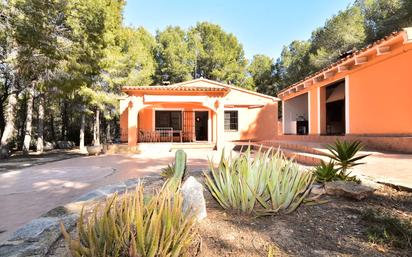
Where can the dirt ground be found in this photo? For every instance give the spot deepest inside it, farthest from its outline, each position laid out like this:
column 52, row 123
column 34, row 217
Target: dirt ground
column 335, row 228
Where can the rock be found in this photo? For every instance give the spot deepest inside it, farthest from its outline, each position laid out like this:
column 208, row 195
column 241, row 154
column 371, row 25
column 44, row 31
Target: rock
column 36, row 237
column 48, row 146
column 34, row 228
column 193, row 199
column 348, row 189
column 317, row 189
column 94, row 149
column 102, row 192
column 65, row 144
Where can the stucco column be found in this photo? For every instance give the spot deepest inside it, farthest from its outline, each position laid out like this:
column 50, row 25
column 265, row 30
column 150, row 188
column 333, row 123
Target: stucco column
column 135, row 104
column 220, row 118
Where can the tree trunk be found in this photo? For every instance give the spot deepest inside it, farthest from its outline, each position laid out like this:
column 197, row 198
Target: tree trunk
column 65, row 121
column 10, row 114
column 108, row 137
column 40, row 128
column 29, row 119
column 82, row 124
column 96, row 133
column 53, row 133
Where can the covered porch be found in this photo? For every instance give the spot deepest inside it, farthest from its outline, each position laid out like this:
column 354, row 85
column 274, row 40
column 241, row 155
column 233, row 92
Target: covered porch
column 178, row 116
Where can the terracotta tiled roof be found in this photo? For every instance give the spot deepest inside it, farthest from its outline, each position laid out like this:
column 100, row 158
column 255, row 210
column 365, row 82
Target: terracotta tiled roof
column 342, row 60
column 175, row 88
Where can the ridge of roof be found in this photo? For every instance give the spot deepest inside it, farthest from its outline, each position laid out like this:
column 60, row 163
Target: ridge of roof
column 182, row 86
column 347, row 58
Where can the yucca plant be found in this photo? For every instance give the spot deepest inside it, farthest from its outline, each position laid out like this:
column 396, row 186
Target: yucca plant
column 344, row 154
column 268, row 179
column 326, row 172
column 132, row 226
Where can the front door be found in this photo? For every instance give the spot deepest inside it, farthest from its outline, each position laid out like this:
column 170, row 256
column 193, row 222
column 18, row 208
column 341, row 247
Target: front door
column 201, row 118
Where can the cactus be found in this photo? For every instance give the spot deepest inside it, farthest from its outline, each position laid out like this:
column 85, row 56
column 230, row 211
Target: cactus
column 180, row 165
column 178, row 170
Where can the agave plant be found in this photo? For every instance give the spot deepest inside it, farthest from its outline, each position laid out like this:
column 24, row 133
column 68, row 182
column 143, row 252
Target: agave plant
column 268, row 180
column 132, row 226
column 344, row 154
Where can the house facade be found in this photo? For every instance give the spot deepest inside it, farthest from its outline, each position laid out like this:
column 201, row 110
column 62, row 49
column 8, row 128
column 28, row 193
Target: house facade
column 368, row 93
column 199, row 110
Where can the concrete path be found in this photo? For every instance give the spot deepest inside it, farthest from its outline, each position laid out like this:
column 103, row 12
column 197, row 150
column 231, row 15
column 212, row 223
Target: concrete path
column 395, row 169
column 28, row 193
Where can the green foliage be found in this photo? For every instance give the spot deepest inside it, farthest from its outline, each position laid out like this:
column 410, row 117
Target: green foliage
column 174, row 58
column 344, row 154
column 385, row 16
column 386, row 229
column 219, row 55
column 340, row 33
column 358, row 25
column 168, row 172
column 132, row 225
column 268, row 180
column 262, row 70
column 326, row 172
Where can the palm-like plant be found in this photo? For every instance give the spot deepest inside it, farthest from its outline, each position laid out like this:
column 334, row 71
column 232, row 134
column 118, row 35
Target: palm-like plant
column 344, row 154
column 325, row 172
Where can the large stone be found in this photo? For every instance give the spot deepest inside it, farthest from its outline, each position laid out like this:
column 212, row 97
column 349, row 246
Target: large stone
column 36, row 237
column 193, row 199
column 348, row 189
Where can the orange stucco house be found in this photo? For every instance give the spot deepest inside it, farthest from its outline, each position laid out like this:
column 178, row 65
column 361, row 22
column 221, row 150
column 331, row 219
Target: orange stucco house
column 368, row 93
column 199, row 110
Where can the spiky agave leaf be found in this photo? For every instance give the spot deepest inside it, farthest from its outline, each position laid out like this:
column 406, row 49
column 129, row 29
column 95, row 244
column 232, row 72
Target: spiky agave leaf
column 130, row 226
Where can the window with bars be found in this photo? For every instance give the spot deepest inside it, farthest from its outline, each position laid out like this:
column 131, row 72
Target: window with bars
column 168, row 119
column 231, row 121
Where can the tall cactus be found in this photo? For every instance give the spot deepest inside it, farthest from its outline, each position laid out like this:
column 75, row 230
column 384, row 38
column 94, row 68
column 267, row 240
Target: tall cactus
column 180, row 165
column 173, row 183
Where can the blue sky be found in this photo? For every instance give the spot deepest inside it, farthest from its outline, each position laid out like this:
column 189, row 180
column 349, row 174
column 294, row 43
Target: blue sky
column 262, row 26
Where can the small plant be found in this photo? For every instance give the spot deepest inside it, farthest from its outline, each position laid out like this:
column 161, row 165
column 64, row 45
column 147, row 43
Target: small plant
column 344, row 154
column 133, row 226
column 385, row 229
column 168, row 172
column 269, row 180
column 326, row 172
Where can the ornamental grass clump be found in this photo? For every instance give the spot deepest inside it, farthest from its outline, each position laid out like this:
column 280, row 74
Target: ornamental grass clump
column 265, row 184
column 132, row 225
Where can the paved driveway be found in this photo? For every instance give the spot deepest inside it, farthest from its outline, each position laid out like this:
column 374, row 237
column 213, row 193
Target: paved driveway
column 27, row 193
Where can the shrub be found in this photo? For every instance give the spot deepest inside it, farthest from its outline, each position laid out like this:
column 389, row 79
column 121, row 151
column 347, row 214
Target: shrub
column 133, row 226
column 386, row 229
column 269, row 180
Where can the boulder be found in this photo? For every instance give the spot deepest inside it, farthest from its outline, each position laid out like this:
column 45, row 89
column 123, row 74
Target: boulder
column 94, row 149
column 317, row 189
column 65, row 144
column 193, row 199
column 48, row 146
column 348, row 189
